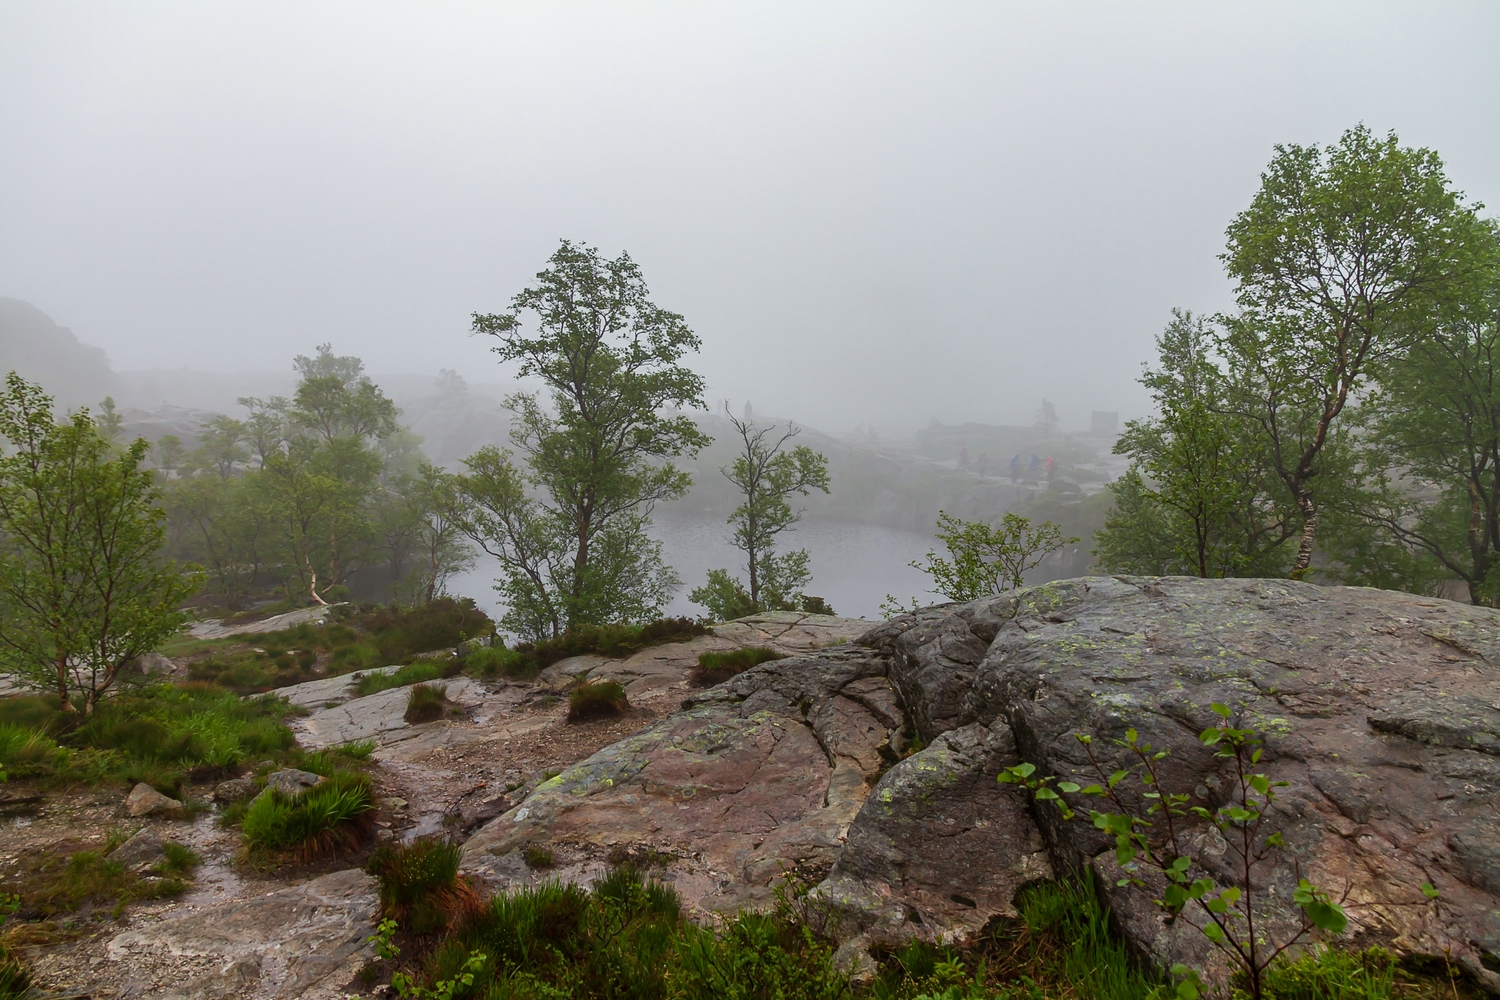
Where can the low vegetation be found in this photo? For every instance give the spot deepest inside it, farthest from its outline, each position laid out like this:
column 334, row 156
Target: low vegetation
column 161, row 734
column 717, row 667
column 420, row 886
column 63, row 882
column 596, row 700
column 356, row 638
column 412, row 673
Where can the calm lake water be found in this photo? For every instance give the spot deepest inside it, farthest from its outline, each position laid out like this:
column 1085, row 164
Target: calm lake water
column 854, row 566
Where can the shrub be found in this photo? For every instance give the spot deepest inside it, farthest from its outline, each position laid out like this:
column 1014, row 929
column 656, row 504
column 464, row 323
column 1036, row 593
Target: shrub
column 424, row 704
column 334, row 816
column 716, row 668
column 400, row 633
column 489, row 662
column 596, row 699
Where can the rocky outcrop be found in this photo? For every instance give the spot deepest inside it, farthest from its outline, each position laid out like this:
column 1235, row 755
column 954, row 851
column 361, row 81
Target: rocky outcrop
column 762, row 773
column 1381, row 710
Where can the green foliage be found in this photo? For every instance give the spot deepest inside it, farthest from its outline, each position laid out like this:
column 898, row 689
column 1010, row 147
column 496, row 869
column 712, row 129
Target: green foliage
column 596, row 699
column 724, row 596
column 573, row 549
column 84, row 588
column 400, row 633
column 425, row 703
column 180, row 859
column 1159, row 842
column 717, row 667
column 985, row 559
column 331, row 817
column 766, row 477
column 489, row 662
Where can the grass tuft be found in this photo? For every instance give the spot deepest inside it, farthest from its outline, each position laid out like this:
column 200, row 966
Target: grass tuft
column 412, row 673
column 597, row 699
column 420, row 885
column 330, row 818
column 538, row 857
column 716, row 668
column 425, row 704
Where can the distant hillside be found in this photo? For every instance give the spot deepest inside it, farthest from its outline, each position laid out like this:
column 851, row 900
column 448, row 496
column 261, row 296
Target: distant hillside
column 43, row 352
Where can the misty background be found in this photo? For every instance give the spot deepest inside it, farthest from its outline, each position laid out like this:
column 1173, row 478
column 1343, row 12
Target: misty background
column 886, row 222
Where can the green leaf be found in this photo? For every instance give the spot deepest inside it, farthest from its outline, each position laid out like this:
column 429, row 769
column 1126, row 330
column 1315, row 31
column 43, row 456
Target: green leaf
column 1274, row 840
column 1045, row 793
column 1327, row 916
column 1429, row 890
column 1222, row 711
column 1117, row 777
column 1260, row 783
column 1094, row 790
column 1067, row 786
column 1213, row 932
column 1025, row 770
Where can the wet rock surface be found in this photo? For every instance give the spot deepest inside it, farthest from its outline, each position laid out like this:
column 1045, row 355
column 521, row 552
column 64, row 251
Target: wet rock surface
column 144, row 800
column 303, row 941
column 1381, row 709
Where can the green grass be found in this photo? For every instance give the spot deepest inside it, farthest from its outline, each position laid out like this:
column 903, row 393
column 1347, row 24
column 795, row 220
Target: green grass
column 412, row 673
column 333, row 817
column 490, row 662
column 716, row 668
column 538, row 858
column 595, row 700
column 420, row 885
column 162, row 734
column 627, row 938
column 62, row 884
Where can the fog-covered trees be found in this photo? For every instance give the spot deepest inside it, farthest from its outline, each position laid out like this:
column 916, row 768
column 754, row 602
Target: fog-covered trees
column 84, row 585
column 569, row 528
column 767, row 475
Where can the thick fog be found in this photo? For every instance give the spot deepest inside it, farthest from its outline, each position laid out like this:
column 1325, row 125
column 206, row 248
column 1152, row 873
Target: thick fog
column 871, row 213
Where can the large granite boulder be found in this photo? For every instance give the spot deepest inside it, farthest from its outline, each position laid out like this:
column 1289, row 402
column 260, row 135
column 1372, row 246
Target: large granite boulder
column 762, row 773
column 1381, row 710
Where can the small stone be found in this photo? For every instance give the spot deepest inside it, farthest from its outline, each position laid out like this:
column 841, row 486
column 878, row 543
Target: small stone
column 235, row 789
column 291, row 781
column 396, row 803
column 142, row 849
column 144, row 800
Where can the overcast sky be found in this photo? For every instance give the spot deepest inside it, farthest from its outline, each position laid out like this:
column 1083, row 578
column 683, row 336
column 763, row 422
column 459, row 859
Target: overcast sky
column 869, row 212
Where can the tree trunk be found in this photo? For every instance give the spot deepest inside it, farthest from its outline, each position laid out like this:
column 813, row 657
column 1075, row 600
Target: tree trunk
column 1309, row 533
column 62, row 683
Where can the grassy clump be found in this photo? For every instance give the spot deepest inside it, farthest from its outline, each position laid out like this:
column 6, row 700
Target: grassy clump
column 597, row 699
column 420, row 886
column 161, row 734
column 716, row 668
column 538, row 857
column 332, row 817
column 425, row 703
column 627, row 938
column 412, row 673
